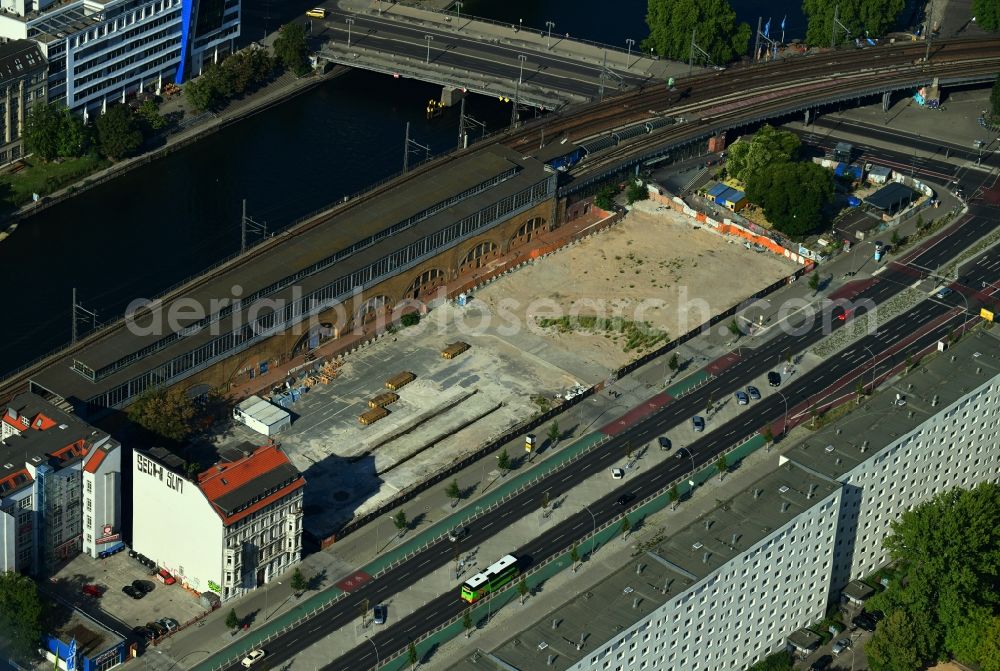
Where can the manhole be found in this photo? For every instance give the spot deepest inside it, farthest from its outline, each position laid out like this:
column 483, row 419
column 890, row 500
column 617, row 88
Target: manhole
column 341, row 496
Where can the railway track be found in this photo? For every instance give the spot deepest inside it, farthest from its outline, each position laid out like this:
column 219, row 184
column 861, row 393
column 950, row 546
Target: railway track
column 696, row 93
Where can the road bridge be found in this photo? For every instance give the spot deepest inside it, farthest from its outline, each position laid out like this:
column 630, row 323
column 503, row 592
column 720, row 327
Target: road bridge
column 699, row 107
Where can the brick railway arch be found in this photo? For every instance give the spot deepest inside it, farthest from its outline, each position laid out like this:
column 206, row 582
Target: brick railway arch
column 478, row 256
column 528, row 231
column 371, row 309
column 425, row 283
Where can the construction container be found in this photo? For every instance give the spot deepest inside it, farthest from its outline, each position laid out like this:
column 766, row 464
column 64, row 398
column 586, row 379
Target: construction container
column 454, row 349
column 401, row 380
column 373, row 415
column 383, row 400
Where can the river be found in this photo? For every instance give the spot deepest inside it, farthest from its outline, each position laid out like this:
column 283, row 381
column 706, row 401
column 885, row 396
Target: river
column 153, row 227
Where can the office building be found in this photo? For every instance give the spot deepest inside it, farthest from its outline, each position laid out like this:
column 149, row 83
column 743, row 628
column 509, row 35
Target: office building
column 60, row 487
column 228, row 530
column 23, row 83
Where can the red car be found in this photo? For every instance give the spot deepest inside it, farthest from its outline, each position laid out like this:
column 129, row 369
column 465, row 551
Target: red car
column 92, row 590
column 165, row 577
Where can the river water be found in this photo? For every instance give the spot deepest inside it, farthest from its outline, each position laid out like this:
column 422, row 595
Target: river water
column 153, row 227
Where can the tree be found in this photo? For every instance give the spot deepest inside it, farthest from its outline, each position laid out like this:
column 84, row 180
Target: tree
column 399, row 519
column 860, row 391
column 636, row 191
column 167, row 413
column 410, row 319
column 673, row 364
column 894, row 239
column 232, row 619
column 574, row 556
column 553, row 432
column 814, row 282
column 192, row 469
column 735, row 329
column 944, row 596
column 779, row 661
column 713, row 22
column 411, row 654
column 118, row 134
column 675, row 496
column 467, row 622
column 792, row 195
column 626, row 527
column 453, row 492
column 503, row 462
column 859, row 17
column 290, row 48
column 605, row 198
column 522, row 589
column 20, row 612
column 206, row 92
column 768, row 147
column 42, row 126
column 995, row 93
column 721, row 465
column 149, row 116
column 768, row 434
column 299, row 582
column 73, row 135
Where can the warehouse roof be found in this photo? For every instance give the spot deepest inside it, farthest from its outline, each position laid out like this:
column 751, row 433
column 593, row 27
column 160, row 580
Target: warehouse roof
column 891, row 197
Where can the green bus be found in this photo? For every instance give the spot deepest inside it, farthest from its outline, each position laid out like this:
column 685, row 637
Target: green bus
column 493, row 578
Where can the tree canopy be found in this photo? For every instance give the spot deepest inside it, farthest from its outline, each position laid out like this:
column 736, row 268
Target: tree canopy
column 779, row 661
column 51, row 131
column 714, row 23
column 20, row 612
column 167, row 413
column 987, row 13
column 767, row 147
column 861, row 17
column 290, row 48
column 118, row 133
column 239, row 74
column 792, row 195
column 945, row 598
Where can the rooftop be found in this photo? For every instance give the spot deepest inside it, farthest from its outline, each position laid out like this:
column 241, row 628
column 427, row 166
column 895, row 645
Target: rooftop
column 936, row 383
column 18, row 58
column 680, row 561
column 48, row 435
column 891, row 197
column 251, row 478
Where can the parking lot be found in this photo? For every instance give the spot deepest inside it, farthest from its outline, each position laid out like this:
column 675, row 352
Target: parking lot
column 115, row 572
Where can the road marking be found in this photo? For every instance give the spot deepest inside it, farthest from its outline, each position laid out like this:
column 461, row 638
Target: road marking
column 879, row 270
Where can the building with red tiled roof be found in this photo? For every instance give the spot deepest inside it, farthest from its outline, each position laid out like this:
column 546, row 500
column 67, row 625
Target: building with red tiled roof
column 230, row 529
column 60, row 487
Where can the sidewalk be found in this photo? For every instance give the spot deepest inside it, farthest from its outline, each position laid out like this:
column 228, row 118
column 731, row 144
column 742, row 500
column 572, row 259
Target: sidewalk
column 523, row 37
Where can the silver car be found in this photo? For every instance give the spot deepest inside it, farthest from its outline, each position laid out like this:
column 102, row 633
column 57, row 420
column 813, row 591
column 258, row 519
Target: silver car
column 840, row 646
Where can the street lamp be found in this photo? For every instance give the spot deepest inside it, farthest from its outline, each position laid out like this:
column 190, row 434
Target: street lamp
column 628, row 56
column 593, row 537
column 548, row 40
column 350, row 22
column 520, row 75
column 458, row 7
column 267, row 595
column 874, row 365
column 376, row 649
column 784, row 421
column 429, row 38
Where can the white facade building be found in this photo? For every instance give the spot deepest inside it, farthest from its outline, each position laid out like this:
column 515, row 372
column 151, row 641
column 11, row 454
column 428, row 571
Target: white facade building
column 263, row 417
column 60, row 487
column 100, row 52
column 230, row 530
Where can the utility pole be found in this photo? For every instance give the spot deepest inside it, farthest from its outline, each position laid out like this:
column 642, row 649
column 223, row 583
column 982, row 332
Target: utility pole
column 513, row 111
column 350, row 22
column 75, row 314
column 833, row 27
column 520, row 74
column 604, row 68
column 756, row 43
column 628, row 56
column 461, row 125
column 247, row 223
column 429, row 38
column 691, row 54
column 72, row 313
column 548, row 40
column 406, row 148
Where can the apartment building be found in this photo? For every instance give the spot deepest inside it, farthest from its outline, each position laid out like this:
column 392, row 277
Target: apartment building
column 23, row 72
column 228, row 530
column 730, row 588
column 60, row 487
column 99, row 52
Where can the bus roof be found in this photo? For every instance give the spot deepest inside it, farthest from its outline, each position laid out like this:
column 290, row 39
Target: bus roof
column 476, row 581
column 501, row 564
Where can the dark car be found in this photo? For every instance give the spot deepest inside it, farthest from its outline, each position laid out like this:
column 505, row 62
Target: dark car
column 144, row 586
column 625, row 499
column 133, row 592
column 754, row 393
column 158, row 628
column 457, row 533
column 665, row 443
column 864, row 621
column 876, row 615
column 143, row 634
column 380, row 613
column 773, row 379
column 682, row 453
column 821, row 664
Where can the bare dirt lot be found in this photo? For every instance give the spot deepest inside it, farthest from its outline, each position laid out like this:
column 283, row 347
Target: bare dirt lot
column 657, row 268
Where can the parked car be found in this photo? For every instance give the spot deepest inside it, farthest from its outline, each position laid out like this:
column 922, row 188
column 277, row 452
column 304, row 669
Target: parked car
column 864, row 621
column 133, row 592
column 457, row 533
column 625, row 499
column 665, row 443
column 157, row 628
column 380, row 613
column 169, row 623
column 943, row 292
column 94, row 591
column 742, row 398
column 698, row 422
column 164, row 576
column 773, row 379
column 754, row 393
column 617, row 473
column 144, row 586
column 252, row 658
column 143, row 634
column 840, row 646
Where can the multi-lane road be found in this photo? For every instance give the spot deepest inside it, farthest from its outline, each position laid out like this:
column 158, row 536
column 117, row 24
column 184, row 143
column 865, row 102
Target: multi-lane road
column 887, row 348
